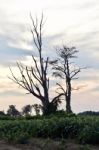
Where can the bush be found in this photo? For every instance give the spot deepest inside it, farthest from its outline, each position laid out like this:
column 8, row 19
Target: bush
column 85, row 129
column 89, row 135
column 22, row 138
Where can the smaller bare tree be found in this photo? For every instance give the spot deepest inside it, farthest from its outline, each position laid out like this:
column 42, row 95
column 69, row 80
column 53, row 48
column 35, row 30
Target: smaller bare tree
column 64, row 69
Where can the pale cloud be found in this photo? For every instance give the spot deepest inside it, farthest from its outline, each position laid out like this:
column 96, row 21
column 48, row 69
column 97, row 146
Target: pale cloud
column 71, row 22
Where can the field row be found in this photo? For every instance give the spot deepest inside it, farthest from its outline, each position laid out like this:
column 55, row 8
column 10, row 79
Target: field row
column 84, row 129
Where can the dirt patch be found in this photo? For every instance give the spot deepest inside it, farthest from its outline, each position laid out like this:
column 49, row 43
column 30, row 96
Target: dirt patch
column 47, row 144
column 6, row 146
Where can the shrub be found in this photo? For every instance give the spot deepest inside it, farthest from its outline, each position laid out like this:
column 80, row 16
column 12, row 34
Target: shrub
column 85, row 129
column 89, row 135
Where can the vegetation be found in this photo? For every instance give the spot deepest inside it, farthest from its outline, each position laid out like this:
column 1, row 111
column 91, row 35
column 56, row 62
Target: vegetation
column 89, row 113
column 83, row 129
column 26, row 110
column 12, row 111
column 37, row 108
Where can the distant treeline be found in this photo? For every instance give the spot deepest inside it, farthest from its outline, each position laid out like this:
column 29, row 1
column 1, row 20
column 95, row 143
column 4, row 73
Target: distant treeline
column 26, row 110
column 91, row 113
column 36, row 111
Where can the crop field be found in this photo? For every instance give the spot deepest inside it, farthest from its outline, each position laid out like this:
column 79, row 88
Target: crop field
column 85, row 129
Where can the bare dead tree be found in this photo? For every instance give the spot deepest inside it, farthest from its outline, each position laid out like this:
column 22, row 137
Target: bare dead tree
column 64, row 70
column 34, row 78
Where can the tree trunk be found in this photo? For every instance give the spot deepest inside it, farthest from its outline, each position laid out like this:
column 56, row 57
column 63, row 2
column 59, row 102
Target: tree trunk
column 68, row 97
column 46, row 108
column 49, row 107
column 68, row 105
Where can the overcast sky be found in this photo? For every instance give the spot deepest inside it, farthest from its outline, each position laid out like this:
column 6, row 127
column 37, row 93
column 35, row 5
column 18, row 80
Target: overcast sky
column 69, row 22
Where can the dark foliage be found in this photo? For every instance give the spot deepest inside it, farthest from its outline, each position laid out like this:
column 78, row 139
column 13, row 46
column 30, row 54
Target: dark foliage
column 84, row 129
column 90, row 113
column 12, row 111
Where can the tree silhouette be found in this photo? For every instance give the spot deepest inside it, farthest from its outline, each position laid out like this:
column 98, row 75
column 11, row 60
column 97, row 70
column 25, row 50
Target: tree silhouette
column 37, row 108
column 2, row 113
column 64, row 69
column 26, row 110
column 12, row 111
column 34, row 78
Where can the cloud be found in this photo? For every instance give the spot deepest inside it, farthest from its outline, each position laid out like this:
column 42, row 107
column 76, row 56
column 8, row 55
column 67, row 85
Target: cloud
column 74, row 23
column 9, row 55
column 11, row 93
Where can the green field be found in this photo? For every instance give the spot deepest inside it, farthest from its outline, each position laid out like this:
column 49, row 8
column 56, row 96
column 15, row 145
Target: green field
column 84, row 129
